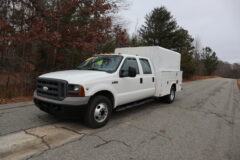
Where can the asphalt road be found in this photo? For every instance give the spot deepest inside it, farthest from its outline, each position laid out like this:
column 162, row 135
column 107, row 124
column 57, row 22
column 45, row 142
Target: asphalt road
column 202, row 124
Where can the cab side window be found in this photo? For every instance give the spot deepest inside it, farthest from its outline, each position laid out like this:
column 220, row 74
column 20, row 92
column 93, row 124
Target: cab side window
column 145, row 66
column 129, row 62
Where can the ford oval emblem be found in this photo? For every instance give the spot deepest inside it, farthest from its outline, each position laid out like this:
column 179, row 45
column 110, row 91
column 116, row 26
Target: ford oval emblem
column 45, row 88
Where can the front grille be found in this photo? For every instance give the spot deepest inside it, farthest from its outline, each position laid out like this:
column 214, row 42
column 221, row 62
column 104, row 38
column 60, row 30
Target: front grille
column 51, row 88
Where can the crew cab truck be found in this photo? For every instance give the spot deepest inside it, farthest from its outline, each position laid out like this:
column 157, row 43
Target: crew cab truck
column 106, row 82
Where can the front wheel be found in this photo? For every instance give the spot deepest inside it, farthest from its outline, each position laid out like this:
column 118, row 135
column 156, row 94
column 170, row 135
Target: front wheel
column 98, row 112
column 171, row 97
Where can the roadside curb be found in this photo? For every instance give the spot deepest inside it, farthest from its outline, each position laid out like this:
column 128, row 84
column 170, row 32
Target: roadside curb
column 15, row 105
column 19, row 145
column 24, row 144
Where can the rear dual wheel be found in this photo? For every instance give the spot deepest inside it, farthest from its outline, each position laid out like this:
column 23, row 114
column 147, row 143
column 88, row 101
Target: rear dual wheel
column 171, row 97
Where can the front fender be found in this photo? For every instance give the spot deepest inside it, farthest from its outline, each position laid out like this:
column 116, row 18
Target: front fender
column 90, row 91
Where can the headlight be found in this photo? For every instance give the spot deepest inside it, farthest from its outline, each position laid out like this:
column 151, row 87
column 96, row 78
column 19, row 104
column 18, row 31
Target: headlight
column 76, row 90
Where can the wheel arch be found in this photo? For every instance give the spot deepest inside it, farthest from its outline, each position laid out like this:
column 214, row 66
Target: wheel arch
column 107, row 94
column 174, row 86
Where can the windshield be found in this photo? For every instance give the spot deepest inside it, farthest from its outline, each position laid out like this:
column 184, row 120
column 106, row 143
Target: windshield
column 106, row 63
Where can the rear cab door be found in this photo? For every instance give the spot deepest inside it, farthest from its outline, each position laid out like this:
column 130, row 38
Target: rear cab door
column 147, row 77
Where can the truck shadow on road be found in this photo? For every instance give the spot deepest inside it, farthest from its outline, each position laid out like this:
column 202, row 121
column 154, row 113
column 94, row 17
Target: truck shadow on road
column 117, row 117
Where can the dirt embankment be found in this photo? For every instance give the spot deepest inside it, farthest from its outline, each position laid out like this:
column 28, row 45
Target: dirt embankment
column 15, row 100
column 195, row 78
column 16, row 87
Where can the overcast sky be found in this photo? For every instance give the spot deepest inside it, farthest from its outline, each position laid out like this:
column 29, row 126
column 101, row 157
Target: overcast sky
column 215, row 22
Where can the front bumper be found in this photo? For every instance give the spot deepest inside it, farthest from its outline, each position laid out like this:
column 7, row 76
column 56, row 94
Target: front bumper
column 69, row 106
column 69, row 101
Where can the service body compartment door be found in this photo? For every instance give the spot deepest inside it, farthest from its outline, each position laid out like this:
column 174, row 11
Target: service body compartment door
column 165, row 80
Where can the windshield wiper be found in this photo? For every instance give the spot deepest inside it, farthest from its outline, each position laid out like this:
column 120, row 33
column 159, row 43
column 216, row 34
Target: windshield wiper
column 91, row 69
column 95, row 69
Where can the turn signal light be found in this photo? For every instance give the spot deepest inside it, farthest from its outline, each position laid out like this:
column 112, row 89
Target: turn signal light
column 82, row 92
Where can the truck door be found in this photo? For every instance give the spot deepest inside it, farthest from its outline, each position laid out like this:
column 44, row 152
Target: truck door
column 129, row 87
column 148, row 78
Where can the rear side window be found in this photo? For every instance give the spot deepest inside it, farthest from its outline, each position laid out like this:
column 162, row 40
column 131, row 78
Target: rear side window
column 145, row 66
column 130, row 62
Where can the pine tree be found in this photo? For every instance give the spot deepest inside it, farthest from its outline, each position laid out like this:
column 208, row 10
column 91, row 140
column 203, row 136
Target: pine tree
column 161, row 29
column 210, row 60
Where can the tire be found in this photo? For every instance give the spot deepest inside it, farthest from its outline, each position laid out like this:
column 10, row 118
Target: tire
column 98, row 112
column 171, row 97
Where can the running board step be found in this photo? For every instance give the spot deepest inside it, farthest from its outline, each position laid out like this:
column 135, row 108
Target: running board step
column 131, row 105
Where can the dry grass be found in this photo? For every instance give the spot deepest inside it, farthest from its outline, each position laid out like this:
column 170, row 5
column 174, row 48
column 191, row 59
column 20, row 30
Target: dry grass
column 238, row 82
column 195, row 78
column 15, row 100
column 15, row 85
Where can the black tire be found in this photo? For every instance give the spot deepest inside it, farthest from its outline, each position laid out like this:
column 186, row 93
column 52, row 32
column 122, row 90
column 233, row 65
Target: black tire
column 93, row 121
column 171, row 97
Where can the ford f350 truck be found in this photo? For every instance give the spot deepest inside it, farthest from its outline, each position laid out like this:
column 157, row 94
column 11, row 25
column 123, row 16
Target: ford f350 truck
column 106, row 82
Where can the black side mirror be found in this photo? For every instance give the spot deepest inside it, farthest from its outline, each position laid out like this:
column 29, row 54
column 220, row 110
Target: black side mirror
column 132, row 72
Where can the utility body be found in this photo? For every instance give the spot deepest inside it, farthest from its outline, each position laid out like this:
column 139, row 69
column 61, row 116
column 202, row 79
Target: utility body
column 108, row 81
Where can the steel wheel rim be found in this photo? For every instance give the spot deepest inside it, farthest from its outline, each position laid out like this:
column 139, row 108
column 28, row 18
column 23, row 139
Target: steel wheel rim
column 172, row 95
column 101, row 112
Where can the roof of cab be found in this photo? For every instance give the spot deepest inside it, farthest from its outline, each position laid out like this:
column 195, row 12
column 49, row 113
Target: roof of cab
column 124, row 55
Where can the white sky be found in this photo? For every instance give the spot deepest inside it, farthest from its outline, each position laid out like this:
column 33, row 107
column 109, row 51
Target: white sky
column 215, row 22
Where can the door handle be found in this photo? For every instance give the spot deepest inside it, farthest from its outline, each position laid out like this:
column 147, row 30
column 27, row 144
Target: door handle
column 141, row 80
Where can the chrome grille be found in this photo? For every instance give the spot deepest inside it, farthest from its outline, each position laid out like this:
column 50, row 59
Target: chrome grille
column 51, row 88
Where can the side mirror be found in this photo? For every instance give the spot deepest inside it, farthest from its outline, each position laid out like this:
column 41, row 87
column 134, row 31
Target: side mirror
column 132, row 72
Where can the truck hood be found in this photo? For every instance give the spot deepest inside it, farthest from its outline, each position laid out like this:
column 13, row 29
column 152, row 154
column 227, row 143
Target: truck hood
column 76, row 76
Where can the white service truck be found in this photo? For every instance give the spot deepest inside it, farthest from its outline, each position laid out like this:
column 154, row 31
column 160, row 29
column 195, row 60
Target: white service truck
column 106, row 82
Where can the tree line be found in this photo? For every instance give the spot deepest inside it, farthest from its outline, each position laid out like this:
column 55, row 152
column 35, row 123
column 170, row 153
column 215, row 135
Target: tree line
column 161, row 29
column 48, row 35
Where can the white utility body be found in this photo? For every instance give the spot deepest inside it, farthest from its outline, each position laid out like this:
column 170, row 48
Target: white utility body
column 108, row 81
column 166, row 66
